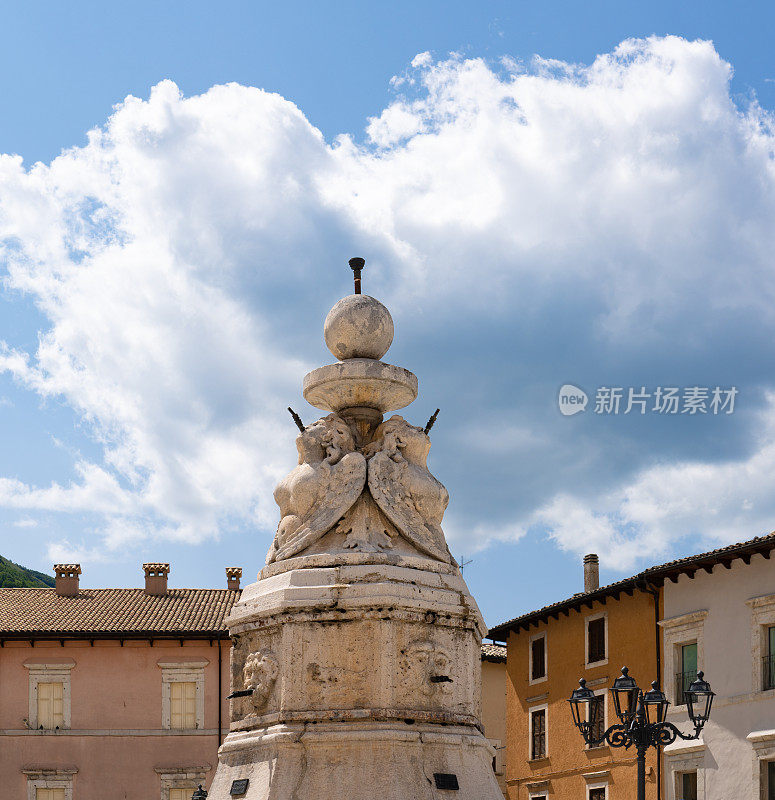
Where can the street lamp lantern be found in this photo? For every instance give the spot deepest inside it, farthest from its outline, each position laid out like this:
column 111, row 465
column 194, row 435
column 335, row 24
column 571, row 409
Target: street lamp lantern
column 641, row 717
column 655, row 703
column 580, row 700
column 699, row 699
column 625, row 693
column 199, row 794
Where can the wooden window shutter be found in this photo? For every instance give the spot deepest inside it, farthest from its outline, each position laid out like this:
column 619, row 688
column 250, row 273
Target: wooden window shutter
column 538, row 744
column 596, row 639
column 49, row 794
column 51, row 706
column 538, row 655
column 183, row 705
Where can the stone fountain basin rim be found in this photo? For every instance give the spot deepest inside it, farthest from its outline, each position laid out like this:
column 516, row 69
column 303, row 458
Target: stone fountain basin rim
column 290, row 732
column 356, row 715
column 363, row 382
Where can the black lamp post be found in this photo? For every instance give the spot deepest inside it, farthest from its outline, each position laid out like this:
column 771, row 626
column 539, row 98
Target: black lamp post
column 641, row 717
column 199, row 794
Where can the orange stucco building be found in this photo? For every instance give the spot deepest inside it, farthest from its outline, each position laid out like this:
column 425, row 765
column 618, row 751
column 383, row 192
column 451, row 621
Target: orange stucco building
column 590, row 635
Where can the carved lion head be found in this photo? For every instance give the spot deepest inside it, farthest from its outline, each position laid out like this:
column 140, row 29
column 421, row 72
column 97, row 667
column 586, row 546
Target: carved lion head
column 259, row 674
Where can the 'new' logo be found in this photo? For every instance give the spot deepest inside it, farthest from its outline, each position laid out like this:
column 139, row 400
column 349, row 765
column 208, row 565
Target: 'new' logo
column 571, row 400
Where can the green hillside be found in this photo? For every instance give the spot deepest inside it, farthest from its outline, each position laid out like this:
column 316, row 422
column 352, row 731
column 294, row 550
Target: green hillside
column 15, row 575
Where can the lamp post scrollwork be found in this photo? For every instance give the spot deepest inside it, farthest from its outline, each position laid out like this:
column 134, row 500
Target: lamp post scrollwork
column 642, row 722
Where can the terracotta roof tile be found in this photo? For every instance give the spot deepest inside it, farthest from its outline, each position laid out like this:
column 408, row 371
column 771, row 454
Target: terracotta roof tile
column 735, row 550
column 105, row 611
column 653, row 575
column 493, row 652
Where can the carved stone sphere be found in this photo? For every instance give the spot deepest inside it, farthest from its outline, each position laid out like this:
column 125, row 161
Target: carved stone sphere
column 358, row 326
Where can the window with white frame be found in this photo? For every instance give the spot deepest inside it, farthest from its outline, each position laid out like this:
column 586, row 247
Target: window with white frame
column 183, row 694
column 538, row 732
column 596, row 640
column 683, row 643
column 763, row 642
column 684, row 764
column 598, row 791
column 49, row 784
column 763, row 743
column 538, row 658
column 49, row 695
column 686, row 657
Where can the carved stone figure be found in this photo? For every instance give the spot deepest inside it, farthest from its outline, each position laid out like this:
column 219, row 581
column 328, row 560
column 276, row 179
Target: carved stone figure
column 425, row 668
column 316, row 494
column 402, row 486
column 259, row 674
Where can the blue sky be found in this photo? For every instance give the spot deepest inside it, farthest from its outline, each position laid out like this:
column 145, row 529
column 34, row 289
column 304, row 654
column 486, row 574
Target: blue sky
column 539, row 204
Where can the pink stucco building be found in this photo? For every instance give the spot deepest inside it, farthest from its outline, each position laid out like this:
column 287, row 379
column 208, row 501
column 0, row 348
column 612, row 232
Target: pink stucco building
column 112, row 693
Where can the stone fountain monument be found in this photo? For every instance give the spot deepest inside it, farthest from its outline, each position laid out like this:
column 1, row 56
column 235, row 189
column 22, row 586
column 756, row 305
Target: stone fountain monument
column 355, row 668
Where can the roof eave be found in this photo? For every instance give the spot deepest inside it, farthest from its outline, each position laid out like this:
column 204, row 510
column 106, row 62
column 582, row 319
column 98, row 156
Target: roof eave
column 37, row 634
column 654, row 576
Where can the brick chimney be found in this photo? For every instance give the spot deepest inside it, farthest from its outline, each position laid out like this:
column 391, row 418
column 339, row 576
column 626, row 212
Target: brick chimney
column 156, row 579
column 233, row 574
column 591, row 572
column 67, row 579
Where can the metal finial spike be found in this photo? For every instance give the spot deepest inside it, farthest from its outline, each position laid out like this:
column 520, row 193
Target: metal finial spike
column 431, row 421
column 297, row 420
column 356, row 265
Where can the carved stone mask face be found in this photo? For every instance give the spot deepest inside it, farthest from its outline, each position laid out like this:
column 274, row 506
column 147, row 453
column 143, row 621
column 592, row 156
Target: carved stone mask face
column 259, row 674
column 423, row 664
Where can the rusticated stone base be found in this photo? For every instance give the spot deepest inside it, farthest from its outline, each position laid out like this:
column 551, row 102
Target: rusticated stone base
column 357, row 761
column 363, row 683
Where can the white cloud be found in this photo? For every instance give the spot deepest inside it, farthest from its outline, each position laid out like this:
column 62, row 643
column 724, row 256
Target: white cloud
column 65, row 552
column 422, row 60
column 179, row 258
column 718, row 502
